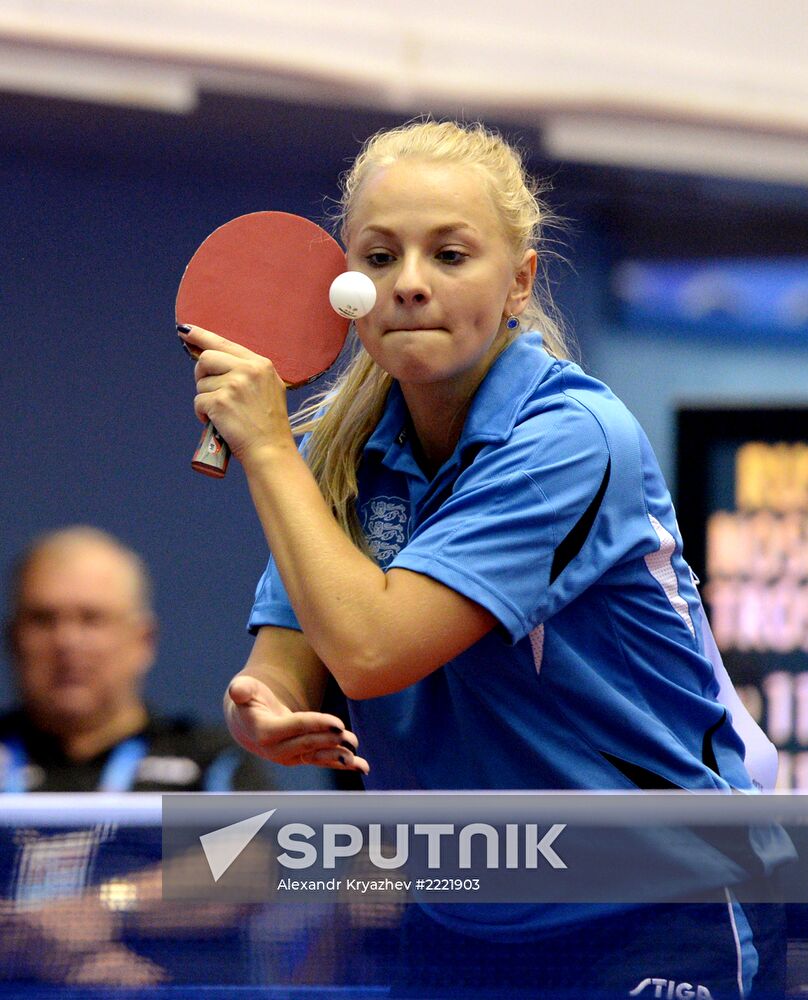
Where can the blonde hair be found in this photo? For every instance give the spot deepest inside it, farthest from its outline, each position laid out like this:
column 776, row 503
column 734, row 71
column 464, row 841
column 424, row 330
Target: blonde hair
column 341, row 420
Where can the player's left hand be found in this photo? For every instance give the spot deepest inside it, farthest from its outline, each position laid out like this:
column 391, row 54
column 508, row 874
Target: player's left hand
column 263, row 725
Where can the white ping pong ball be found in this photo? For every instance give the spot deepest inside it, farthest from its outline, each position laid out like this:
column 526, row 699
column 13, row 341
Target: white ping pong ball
column 352, row 294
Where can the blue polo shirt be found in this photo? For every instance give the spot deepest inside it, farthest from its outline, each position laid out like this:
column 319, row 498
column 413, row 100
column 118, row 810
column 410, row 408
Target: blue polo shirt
column 551, row 513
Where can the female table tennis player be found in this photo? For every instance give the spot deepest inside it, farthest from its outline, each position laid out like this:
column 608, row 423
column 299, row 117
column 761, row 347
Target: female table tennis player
column 480, row 547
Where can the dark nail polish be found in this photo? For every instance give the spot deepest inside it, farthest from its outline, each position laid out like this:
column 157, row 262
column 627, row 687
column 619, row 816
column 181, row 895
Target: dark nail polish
column 182, row 328
column 334, row 729
column 344, row 761
column 348, row 746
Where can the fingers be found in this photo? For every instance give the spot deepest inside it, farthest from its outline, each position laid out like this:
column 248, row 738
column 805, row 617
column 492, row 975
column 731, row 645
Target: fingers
column 232, row 378
column 212, row 362
column 297, row 735
column 305, row 750
column 318, row 750
column 238, row 391
column 198, row 340
column 248, row 692
column 339, row 760
column 266, row 727
column 241, row 389
column 215, row 355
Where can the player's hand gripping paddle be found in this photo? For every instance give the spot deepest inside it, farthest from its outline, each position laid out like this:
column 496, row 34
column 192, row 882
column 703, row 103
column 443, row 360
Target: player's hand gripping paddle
column 262, row 280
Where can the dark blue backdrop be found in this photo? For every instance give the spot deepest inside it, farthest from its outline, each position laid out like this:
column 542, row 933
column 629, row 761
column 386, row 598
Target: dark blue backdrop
column 97, row 393
column 100, row 211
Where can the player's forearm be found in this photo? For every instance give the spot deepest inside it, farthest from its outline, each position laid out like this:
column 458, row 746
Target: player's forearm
column 339, row 594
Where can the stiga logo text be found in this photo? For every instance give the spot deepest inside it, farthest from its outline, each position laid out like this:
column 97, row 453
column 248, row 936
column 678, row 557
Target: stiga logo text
column 522, row 845
column 668, row 989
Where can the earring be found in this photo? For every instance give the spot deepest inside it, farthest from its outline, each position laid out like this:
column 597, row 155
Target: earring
column 512, row 322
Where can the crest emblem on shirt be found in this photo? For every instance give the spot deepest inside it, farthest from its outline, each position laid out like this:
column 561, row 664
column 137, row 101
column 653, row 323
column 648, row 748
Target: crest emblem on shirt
column 384, row 522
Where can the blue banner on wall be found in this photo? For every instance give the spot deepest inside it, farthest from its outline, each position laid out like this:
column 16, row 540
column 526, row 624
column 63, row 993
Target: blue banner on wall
column 747, row 296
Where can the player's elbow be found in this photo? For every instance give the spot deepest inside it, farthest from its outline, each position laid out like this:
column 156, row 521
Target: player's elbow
column 369, row 672
column 359, row 686
column 360, row 681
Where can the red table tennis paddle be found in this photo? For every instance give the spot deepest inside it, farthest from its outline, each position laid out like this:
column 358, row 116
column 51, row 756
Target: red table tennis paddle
column 262, row 281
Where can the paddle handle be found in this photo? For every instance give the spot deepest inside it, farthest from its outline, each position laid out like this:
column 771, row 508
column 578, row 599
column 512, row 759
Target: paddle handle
column 212, row 453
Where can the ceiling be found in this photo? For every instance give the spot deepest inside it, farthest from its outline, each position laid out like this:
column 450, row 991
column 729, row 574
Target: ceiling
column 717, row 88
column 677, row 128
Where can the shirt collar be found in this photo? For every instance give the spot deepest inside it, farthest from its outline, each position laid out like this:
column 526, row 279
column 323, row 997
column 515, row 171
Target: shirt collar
column 502, row 393
column 496, row 404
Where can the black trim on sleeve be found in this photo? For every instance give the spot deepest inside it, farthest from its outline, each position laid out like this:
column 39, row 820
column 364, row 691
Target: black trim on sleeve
column 707, row 751
column 571, row 545
column 641, row 776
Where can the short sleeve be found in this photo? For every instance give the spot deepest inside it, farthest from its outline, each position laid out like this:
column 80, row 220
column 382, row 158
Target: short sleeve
column 271, row 606
column 515, row 533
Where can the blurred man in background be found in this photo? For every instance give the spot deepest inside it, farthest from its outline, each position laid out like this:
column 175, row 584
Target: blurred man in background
column 82, row 636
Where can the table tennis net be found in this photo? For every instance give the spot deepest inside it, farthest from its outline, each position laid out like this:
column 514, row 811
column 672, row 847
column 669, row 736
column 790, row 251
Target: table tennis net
column 80, row 904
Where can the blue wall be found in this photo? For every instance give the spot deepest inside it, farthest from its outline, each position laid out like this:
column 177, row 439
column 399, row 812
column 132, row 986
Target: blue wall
column 654, row 372
column 96, row 394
